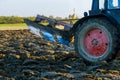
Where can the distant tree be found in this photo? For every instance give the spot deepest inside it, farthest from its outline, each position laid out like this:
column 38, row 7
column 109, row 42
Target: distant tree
column 31, row 18
column 2, row 20
column 66, row 18
column 73, row 16
column 13, row 19
column 51, row 16
column 58, row 18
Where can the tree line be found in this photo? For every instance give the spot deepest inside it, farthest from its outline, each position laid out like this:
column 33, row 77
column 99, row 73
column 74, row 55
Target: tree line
column 17, row 19
column 13, row 19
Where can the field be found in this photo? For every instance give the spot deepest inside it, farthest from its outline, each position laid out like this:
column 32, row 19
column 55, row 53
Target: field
column 24, row 56
column 13, row 26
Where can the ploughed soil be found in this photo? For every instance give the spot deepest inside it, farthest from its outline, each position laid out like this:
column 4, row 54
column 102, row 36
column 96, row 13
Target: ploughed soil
column 24, row 56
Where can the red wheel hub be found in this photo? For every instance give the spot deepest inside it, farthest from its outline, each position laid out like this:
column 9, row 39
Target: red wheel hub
column 96, row 42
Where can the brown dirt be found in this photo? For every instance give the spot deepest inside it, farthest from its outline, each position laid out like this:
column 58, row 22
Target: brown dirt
column 24, row 56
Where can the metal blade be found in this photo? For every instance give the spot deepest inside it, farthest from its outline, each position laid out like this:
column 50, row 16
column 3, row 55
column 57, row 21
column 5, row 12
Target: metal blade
column 49, row 33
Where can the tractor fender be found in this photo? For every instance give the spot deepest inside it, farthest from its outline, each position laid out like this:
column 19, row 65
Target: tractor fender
column 81, row 21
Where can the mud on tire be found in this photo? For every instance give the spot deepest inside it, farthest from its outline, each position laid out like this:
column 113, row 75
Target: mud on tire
column 96, row 40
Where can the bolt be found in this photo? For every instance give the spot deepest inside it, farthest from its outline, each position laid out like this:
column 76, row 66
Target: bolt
column 106, row 44
column 88, row 34
column 100, row 32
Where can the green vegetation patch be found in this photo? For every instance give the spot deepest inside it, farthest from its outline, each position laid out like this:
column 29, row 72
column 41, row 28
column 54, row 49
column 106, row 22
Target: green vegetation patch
column 13, row 26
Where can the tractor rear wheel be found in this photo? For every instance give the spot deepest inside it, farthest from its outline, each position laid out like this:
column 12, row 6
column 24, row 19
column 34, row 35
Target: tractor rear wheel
column 96, row 40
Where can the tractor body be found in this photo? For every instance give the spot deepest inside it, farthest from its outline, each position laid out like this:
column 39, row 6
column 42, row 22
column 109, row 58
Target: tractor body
column 103, row 8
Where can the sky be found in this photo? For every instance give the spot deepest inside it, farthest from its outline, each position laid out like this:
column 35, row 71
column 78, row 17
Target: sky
column 61, row 8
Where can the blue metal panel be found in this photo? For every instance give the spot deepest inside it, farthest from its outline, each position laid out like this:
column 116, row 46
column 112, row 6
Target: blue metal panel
column 95, row 5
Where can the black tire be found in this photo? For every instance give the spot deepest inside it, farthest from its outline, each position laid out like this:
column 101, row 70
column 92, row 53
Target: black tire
column 105, row 26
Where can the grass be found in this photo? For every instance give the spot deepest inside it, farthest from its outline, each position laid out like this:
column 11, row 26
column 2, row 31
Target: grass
column 13, row 26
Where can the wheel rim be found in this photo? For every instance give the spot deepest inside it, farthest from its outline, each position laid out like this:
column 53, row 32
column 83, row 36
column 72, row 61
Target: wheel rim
column 96, row 42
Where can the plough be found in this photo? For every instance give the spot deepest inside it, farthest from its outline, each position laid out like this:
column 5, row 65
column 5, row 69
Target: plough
column 95, row 36
column 50, row 31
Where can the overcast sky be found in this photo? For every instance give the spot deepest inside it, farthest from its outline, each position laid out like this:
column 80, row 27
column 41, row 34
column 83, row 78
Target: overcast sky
column 60, row 8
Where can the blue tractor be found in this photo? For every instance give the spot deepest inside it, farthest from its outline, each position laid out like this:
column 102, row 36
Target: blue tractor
column 95, row 36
